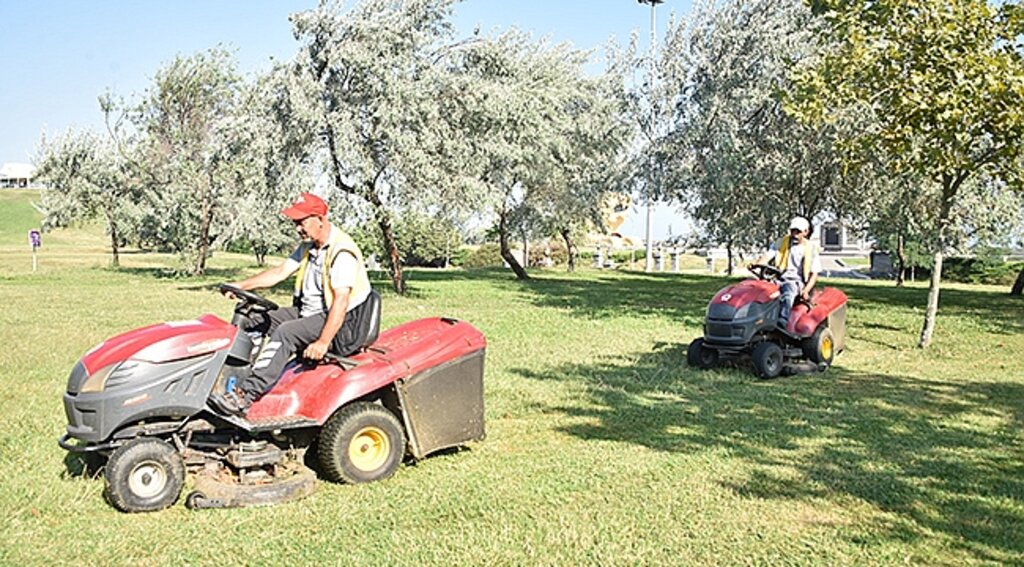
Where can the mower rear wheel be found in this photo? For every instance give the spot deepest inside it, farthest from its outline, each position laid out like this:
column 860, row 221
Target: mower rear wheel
column 700, row 356
column 362, row 442
column 820, row 347
column 144, row 475
column 767, row 359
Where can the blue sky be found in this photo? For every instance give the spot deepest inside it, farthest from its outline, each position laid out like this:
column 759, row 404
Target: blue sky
column 58, row 56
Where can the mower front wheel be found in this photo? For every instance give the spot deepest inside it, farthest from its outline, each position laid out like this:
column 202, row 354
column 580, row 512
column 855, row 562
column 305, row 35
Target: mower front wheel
column 698, row 355
column 144, row 475
column 820, row 347
column 767, row 359
column 362, row 442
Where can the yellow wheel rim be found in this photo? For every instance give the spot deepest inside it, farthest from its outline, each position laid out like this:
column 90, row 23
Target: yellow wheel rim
column 369, row 449
column 826, row 348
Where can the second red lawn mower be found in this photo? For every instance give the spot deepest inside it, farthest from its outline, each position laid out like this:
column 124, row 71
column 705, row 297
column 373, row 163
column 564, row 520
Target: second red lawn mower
column 139, row 402
column 743, row 320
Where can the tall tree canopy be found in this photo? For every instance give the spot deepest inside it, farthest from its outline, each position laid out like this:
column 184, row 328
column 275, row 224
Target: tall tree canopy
column 742, row 164
column 944, row 83
column 369, row 88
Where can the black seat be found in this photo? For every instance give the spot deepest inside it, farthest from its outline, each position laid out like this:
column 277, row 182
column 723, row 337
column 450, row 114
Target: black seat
column 367, row 327
column 369, row 320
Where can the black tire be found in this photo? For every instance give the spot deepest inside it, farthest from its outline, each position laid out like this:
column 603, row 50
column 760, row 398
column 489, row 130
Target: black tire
column 195, row 500
column 361, row 442
column 820, row 347
column 767, row 359
column 144, row 475
column 700, row 356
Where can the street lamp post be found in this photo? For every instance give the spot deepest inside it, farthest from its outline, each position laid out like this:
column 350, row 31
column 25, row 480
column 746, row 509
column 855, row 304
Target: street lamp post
column 649, row 260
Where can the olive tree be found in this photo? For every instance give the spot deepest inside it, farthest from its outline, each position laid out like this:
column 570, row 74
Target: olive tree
column 740, row 163
column 86, row 177
column 370, row 77
column 188, row 125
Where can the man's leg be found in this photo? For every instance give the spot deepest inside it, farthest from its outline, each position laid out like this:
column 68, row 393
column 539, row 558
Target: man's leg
column 286, row 340
column 790, row 290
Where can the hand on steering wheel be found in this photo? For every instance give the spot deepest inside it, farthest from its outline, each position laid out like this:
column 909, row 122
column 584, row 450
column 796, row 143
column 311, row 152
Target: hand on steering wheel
column 764, row 271
column 246, row 297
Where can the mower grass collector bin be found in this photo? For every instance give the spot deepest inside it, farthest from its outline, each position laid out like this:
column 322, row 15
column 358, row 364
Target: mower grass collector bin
column 443, row 406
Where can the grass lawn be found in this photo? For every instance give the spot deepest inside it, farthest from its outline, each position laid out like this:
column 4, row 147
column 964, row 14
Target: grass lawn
column 603, row 447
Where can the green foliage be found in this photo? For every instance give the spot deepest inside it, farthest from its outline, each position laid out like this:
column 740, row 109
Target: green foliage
column 425, row 241
column 944, row 85
column 487, row 255
column 987, row 267
column 741, row 163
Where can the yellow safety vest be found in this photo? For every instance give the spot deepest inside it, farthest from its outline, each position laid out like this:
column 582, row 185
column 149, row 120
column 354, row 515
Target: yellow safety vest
column 784, row 256
column 338, row 242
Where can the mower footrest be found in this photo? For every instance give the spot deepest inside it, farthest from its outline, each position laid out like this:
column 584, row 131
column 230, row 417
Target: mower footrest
column 287, row 422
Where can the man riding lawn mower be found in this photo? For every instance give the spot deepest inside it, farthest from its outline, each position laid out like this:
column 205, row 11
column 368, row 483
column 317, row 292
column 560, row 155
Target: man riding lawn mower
column 776, row 319
column 331, row 293
column 156, row 402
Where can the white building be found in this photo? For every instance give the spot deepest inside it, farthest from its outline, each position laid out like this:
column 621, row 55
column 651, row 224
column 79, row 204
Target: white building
column 16, row 175
column 838, row 239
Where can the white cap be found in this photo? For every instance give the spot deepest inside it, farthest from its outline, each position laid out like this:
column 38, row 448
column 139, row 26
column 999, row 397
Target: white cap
column 799, row 223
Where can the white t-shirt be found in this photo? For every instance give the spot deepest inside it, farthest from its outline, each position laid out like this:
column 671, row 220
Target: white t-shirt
column 342, row 274
column 793, row 270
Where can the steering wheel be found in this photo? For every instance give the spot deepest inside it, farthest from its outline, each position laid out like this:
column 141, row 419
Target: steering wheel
column 764, row 271
column 248, row 297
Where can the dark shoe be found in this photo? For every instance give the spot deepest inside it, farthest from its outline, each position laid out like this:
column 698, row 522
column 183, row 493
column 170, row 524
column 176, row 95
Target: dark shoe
column 231, row 403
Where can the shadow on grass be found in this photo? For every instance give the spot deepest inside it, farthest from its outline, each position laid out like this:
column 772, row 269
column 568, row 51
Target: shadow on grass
column 84, row 465
column 597, row 295
column 942, row 456
column 221, row 274
column 684, row 297
column 992, row 311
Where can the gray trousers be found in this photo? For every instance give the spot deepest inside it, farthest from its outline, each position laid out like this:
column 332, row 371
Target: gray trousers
column 790, row 290
column 288, row 335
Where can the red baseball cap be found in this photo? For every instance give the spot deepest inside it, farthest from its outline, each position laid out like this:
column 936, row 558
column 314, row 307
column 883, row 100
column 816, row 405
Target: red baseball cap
column 307, row 205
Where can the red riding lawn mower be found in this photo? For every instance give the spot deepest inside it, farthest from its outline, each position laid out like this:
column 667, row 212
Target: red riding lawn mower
column 743, row 320
column 139, row 401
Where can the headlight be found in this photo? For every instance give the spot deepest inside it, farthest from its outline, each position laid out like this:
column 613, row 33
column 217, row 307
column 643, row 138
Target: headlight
column 98, row 380
column 750, row 310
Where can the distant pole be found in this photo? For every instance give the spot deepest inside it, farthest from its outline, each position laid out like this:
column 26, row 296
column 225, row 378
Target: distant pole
column 649, row 259
column 35, row 240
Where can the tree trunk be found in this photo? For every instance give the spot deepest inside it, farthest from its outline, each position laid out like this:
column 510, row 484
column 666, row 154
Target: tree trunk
column 387, row 233
column 448, row 252
column 728, row 255
column 506, row 251
column 205, row 220
column 115, row 259
column 260, row 252
column 950, row 185
column 571, row 250
column 1018, row 286
column 391, row 247
column 526, row 250
column 901, row 256
column 933, row 303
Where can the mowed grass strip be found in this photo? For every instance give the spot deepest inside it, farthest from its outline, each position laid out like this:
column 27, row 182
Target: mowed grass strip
column 603, row 447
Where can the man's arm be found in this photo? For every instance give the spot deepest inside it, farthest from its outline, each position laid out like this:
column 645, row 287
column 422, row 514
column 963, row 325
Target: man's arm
column 335, row 318
column 815, row 268
column 805, row 293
